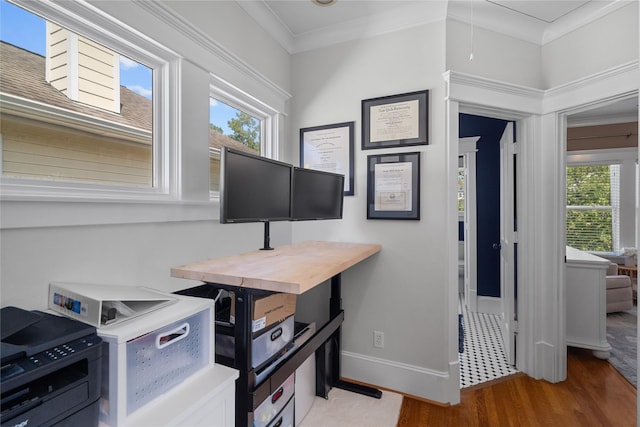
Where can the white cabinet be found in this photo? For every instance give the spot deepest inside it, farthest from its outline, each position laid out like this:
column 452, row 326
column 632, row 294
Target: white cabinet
column 587, row 302
column 206, row 399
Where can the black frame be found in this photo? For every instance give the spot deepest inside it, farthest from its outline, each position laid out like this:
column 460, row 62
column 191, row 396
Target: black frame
column 423, row 120
column 414, row 212
column 349, row 175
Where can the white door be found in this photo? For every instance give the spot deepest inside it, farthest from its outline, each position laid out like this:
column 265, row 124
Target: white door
column 508, row 242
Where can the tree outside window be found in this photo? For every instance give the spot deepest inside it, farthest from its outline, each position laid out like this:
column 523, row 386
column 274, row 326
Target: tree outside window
column 592, row 212
column 230, row 127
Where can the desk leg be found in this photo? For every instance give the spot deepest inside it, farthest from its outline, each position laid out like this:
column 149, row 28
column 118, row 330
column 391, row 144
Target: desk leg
column 242, row 328
column 335, row 307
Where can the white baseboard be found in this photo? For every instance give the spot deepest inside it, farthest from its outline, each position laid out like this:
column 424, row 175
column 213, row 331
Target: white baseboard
column 413, row 380
column 490, row 305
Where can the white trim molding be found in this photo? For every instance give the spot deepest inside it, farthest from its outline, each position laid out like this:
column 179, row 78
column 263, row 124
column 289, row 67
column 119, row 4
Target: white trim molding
column 411, row 379
column 541, row 126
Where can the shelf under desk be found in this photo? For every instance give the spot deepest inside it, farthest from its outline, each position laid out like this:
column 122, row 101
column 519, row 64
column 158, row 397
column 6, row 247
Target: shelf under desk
column 294, row 269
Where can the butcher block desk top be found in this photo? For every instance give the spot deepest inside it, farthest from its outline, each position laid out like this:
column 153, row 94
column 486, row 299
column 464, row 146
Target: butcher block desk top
column 293, row 269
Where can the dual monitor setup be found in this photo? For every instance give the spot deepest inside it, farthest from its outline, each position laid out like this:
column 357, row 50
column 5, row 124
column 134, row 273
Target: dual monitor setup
column 258, row 189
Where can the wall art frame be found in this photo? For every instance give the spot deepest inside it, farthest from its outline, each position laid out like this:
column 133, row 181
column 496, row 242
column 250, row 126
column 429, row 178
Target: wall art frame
column 395, row 120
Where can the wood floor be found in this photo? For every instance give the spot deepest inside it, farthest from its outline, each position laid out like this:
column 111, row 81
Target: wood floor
column 594, row 394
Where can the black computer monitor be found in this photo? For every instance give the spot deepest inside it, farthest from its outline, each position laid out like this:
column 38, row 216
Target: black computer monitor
column 316, row 195
column 254, row 189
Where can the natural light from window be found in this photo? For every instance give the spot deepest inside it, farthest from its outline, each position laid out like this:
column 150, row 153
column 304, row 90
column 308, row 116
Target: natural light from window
column 73, row 110
column 593, row 205
column 230, row 127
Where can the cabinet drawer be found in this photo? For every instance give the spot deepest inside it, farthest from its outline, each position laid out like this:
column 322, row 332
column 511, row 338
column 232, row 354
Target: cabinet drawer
column 272, row 405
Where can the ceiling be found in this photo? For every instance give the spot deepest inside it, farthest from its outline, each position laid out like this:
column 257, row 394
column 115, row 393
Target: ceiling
column 301, row 25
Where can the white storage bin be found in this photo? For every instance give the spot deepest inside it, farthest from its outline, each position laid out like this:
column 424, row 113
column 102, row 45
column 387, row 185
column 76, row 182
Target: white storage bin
column 272, row 405
column 264, row 346
column 149, row 355
column 286, row 417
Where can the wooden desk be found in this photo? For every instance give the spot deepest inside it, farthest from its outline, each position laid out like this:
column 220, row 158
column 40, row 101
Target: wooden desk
column 295, row 269
column 627, row 270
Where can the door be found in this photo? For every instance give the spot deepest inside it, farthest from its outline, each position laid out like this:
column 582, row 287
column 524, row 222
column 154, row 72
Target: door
column 508, row 241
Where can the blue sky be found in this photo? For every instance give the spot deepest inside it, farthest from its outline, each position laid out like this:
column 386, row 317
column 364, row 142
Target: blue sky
column 26, row 30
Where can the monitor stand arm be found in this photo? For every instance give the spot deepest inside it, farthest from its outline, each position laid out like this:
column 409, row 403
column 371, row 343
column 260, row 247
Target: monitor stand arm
column 267, row 238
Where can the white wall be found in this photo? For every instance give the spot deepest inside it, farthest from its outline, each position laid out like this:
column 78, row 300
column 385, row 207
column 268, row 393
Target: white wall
column 495, row 55
column 97, row 250
column 402, row 291
column 600, row 45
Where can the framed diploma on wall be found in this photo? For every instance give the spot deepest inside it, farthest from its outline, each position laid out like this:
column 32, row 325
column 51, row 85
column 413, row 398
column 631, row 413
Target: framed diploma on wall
column 329, row 148
column 396, row 120
column 393, row 186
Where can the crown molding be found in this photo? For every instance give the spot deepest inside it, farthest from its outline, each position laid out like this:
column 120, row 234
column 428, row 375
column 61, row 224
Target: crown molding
column 174, row 20
column 482, row 14
column 492, row 17
column 411, row 15
column 615, row 84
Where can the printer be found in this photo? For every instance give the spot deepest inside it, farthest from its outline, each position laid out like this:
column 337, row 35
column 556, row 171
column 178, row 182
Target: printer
column 51, row 370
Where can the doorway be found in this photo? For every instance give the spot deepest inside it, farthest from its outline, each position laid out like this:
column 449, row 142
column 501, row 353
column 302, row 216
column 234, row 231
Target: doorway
column 601, row 186
column 486, row 228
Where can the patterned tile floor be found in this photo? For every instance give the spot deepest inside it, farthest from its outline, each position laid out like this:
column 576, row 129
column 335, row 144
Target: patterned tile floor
column 483, row 358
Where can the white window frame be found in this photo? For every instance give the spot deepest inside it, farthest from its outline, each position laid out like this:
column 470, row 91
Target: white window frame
column 269, row 117
column 87, row 21
column 620, row 156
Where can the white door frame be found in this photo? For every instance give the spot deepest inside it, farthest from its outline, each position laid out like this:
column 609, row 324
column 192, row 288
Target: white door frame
column 507, row 242
column 541, row 126
column 467, row 149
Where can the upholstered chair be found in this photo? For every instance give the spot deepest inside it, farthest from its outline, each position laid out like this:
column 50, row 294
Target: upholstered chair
column 619, row 292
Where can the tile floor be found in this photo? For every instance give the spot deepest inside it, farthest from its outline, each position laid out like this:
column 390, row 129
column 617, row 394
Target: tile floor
column 483, row 358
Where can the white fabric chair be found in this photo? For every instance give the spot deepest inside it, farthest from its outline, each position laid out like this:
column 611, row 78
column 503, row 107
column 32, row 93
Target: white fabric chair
column 619, row 291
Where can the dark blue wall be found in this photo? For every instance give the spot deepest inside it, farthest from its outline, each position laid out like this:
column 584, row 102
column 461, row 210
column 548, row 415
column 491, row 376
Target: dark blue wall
column 487, row 197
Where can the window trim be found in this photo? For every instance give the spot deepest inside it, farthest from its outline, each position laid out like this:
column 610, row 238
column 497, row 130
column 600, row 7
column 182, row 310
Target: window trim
column 89, row 22
column 614, row 156
column 269, row 117
column 88, row 206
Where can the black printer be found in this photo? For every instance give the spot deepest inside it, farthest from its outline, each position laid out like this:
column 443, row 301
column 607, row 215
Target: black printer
column 51, row 370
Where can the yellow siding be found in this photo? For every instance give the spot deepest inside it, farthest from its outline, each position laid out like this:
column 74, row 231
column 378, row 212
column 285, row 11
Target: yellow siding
column 94, row 78
column 56, row 50
column 95, row 65
column 57, row 153
column 58, row 73
column 214, row 174
column 95, row 51
column 94, row 88
column 95, row 101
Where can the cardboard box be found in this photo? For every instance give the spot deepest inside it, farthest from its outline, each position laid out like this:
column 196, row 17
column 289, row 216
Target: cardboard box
column 100, row 305
column 268, row 310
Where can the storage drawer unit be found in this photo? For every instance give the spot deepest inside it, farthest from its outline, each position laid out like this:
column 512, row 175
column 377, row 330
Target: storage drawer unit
column 149, row 355
column 271, row 407
column 286, row 418
column 264, row 346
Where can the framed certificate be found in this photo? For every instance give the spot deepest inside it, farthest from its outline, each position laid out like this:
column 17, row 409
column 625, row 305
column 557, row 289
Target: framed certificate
column 396, row 120
column 393, row 186
column 329, row 148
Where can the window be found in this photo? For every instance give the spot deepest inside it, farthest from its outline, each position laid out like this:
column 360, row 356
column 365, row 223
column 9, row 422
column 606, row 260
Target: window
column 79, row 109
column 230, row 127
column 593, row 206
column 240, row 121
column 461, row 190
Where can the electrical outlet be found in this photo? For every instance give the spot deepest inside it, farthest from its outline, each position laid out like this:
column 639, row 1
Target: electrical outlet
column 378, row 339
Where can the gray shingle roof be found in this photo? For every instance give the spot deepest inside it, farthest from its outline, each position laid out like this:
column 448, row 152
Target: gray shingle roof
column 22, row 73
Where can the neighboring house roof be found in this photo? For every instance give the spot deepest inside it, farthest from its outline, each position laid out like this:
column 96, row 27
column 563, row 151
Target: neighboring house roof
column 218, row 140
column 22, row 73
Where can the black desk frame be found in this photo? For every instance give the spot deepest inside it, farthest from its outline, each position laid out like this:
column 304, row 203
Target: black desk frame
column 248, row 396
